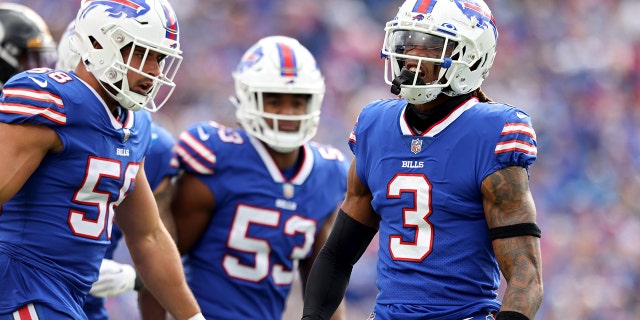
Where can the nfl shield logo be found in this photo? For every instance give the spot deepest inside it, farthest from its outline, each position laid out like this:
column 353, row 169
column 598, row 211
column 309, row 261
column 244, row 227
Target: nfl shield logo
column 416, row 146
column 287, row 190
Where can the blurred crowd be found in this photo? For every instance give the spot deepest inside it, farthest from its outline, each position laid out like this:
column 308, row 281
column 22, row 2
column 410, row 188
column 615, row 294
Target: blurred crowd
column 574, row 65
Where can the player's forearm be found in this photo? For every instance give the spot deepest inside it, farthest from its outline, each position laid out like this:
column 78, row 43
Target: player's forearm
column 519, row 260
column 150, row 308
column 160, row 268
column 341, row 312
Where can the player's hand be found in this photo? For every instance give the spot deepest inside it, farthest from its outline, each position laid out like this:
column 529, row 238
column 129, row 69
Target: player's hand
column 114, row 279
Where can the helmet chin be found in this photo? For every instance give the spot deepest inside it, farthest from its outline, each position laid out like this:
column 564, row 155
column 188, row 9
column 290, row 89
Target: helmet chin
column 282, row 142
column 282, row 149
column 131, row 100
column 420, row 95
column 125, row 97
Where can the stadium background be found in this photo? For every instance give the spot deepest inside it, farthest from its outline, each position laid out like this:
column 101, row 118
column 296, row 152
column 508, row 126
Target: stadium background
column 574, row 65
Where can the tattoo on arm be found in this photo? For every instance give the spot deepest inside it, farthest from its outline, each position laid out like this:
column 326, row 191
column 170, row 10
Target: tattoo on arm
column 507, row 200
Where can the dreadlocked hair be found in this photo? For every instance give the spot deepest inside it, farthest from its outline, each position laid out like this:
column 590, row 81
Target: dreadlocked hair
column 482, row 97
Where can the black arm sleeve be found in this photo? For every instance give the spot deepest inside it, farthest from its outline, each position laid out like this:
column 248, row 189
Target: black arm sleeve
column 331, row 270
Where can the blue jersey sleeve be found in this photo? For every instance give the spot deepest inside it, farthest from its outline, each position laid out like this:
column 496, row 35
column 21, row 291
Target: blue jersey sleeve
column 517, row 144
column 194, row 154
column 31, row 97
column 160, row 160
column 375, row 111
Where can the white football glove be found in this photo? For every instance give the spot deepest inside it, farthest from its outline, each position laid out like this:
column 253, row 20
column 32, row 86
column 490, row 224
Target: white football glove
column 114, row 279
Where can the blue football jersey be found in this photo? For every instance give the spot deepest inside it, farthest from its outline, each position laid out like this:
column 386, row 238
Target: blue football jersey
column 434, row 248
column 244, row 264
column 55, row 230
column 160, row 162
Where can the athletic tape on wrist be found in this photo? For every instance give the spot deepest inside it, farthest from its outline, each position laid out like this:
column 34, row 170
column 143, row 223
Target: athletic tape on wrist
column 198, row 316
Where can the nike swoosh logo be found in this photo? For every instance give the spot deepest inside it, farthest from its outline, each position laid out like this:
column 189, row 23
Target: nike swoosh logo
column 42, row 84
column 203, row 135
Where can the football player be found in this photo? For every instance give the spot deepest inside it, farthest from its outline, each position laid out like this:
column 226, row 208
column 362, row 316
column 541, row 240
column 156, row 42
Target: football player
column 74, row 150
column 160, row 165
column 254, row 204
column 441, row 173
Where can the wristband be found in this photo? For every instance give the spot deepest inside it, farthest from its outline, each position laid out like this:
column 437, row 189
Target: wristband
column 137, row 284
column 511, row 315
column 515, row 230
column 198, row 316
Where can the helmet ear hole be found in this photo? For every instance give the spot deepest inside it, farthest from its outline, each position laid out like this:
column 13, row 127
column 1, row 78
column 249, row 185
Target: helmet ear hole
column 477, row 63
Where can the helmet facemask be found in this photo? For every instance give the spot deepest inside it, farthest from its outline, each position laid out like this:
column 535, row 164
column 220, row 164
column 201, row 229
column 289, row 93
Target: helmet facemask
column 418, row 63
column 269, row 127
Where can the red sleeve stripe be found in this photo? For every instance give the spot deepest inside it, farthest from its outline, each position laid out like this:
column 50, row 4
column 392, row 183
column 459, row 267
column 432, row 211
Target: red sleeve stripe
column 198, row 147
column 515, row 145
column 40, row 96
column 14, row 108
column 192, row 162
column 27, row 312
column 511, row 128
column 201, row 150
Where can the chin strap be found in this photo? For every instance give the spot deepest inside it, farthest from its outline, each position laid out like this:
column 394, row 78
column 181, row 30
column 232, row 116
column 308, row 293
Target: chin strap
column 405, row 77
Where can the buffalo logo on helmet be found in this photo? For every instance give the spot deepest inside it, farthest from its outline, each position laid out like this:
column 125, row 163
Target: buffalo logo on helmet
column 133, row 9
column 484, row 17
column 250, row 59
column 118, row 8
column 469, row 8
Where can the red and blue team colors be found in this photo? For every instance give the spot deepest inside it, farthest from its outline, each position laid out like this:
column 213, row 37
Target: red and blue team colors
column 426, row 188
column 264, row 220
column 160, row 162
column 55, row 230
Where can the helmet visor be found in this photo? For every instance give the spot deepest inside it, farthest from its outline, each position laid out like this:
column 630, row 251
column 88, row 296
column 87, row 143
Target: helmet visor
column 430, row 46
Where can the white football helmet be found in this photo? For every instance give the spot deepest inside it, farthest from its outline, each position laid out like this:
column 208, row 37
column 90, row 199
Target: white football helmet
column 67, row 58
column 277, row 64
column 147, row 24
column 464, row 31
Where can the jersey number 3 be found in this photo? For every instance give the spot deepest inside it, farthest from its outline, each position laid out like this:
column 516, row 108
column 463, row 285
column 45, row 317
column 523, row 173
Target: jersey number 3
column 415, row 218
